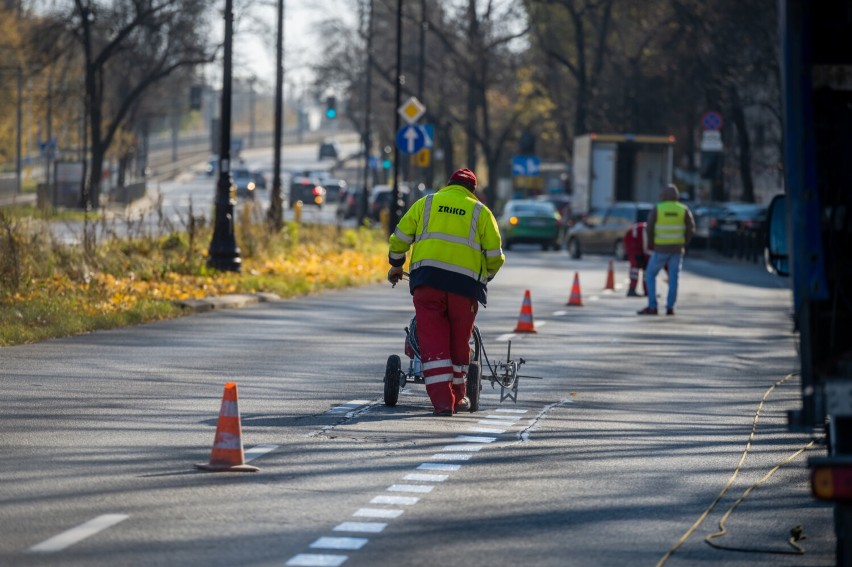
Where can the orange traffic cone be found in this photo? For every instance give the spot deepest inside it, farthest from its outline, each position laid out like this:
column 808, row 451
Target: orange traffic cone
column 227, row 454
column 575, row 298
column 525, row 320
column 610, row 277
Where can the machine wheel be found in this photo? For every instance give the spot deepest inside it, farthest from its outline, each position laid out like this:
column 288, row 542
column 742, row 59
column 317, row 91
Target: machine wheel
column 392, row 371
column 574, row 249
column 474, row 385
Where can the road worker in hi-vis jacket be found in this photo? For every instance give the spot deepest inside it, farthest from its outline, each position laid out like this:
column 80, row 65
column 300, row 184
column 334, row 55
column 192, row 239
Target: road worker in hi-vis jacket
column 456, row 251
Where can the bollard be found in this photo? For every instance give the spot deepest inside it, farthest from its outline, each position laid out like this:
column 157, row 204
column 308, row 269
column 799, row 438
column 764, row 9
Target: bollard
column 297, row 212
column 384, row 219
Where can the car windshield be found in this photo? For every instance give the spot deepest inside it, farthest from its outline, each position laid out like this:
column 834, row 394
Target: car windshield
column 241, row 173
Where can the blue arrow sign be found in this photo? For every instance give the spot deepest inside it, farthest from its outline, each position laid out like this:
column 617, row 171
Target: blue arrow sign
column 414, row 137
column 526, row 165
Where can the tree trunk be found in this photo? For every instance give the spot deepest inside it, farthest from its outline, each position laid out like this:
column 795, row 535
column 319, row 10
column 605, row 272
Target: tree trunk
column 744, row 141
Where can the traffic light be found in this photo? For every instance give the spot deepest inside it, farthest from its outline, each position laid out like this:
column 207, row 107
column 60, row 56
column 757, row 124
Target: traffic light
column 331, row 108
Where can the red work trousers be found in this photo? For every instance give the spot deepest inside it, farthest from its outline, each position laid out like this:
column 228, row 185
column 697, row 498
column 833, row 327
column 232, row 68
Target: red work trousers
column 638, row 262
column 444, row 324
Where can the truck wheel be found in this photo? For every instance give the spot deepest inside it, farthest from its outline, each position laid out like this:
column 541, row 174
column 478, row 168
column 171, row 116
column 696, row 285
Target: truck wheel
column 574, row 249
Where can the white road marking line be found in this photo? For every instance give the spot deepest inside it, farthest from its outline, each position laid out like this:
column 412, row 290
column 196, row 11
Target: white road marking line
column 78, row 534
column 594, row 298
column 316, row 560
column 419, row 488
column 497, row 423
column 475, row 439
column 462, row 448
column 505, row 337
column 378, row 513
column 503, row 417
column 348, row 406
column 559, row 313
column 361, row 527
column 486, row 430
column 426, row 477
column 510, row 410
column 401, row 500
column 450, row 457
column 348, row 543
column 438, row 467
column 259, row 451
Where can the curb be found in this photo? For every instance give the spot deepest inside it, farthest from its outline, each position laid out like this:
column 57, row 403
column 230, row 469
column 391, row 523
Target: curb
column 229, row 301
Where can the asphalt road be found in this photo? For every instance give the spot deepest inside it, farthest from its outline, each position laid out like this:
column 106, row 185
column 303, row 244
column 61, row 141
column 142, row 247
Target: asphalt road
column 635, row 438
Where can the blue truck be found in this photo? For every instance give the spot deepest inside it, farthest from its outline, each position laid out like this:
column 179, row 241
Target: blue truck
column 810, row 237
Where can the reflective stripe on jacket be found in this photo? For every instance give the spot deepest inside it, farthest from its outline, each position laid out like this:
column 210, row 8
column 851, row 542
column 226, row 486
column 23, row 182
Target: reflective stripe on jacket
column 452, row 231
column 670, row 226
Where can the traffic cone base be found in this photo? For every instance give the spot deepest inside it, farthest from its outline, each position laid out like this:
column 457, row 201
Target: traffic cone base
column 610, row 277
column 525, row 320
column 576, row 298
column 227, row 454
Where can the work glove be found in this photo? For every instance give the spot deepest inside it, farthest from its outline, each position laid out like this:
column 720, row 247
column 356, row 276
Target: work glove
column 395, row 274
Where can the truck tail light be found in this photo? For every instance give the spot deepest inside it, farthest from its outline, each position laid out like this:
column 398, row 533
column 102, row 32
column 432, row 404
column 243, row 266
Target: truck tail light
column 832, row 482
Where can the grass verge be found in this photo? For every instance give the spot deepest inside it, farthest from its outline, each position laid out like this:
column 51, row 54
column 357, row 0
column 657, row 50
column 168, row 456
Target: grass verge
column 49, row 290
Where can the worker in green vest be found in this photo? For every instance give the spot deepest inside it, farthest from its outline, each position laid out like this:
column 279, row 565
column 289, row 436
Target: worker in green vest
column 670, row 228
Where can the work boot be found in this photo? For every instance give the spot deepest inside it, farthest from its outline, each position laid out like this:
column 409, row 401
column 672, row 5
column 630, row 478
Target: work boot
column 669, row 310
column 647, row 311
column 448, row 413
column 463, row 405
column 632, row 292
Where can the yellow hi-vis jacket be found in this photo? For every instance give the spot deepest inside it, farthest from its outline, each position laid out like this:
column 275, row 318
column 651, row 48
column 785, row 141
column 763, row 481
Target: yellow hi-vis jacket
column 455, row 243
column 670, row 226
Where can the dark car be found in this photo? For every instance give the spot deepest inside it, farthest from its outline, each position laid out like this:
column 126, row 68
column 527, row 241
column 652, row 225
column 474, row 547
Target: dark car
column 259, row 179
column 601, row 231
column 380, row 199
column 739, row 217
column 328, row 150
column 306, row 190
column 528, row 221
column 244, row 181
column 350, row 202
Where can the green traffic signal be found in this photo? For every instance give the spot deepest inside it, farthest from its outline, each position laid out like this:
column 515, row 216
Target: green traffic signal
column 331, row 108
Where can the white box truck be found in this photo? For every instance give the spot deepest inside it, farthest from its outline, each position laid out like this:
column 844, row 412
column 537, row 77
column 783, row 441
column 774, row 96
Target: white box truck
column 619, row 167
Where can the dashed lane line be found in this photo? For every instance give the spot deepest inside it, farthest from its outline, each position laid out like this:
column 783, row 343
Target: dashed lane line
column 78, row 534
column 462, row 449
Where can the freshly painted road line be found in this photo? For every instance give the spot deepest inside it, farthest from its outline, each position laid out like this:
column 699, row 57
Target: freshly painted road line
column 79, row 533
column 419, row 488
column 462, row 447
column 316, row 560
column 504, row 417
column 426, row 477
column 450, row 457
column 377, row 513
column 497, row 423
column 361, row 527
column 259, row 451
column 438, row 467
column 510, row 410
column 349, row 406
column 486, row 430
column 402, row 500
column 475, row 439
column 345, row 543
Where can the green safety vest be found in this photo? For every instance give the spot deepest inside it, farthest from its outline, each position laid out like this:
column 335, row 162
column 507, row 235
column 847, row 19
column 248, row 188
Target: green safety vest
column 670, row 227
column 450, row 230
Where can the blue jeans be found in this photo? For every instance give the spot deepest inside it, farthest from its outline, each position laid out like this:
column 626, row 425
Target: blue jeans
column 655, row 264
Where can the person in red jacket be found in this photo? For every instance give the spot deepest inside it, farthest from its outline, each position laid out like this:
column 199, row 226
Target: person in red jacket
column 636, row 248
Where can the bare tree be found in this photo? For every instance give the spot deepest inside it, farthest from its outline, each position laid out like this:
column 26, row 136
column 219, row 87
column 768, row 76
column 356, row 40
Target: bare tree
column 127, row 47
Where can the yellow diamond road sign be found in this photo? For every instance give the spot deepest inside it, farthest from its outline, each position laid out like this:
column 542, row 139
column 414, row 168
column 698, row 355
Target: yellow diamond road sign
column 412, row 110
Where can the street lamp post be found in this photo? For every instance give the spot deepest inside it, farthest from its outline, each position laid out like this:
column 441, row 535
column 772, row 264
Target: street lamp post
column 223, row 253
column 276, row 206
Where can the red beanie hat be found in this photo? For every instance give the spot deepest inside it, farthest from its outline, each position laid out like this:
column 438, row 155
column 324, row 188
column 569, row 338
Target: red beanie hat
column 465, row 178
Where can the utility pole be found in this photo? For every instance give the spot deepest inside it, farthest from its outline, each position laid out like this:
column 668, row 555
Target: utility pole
column 223, row 253
column 276, row 207
column 394, row 206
